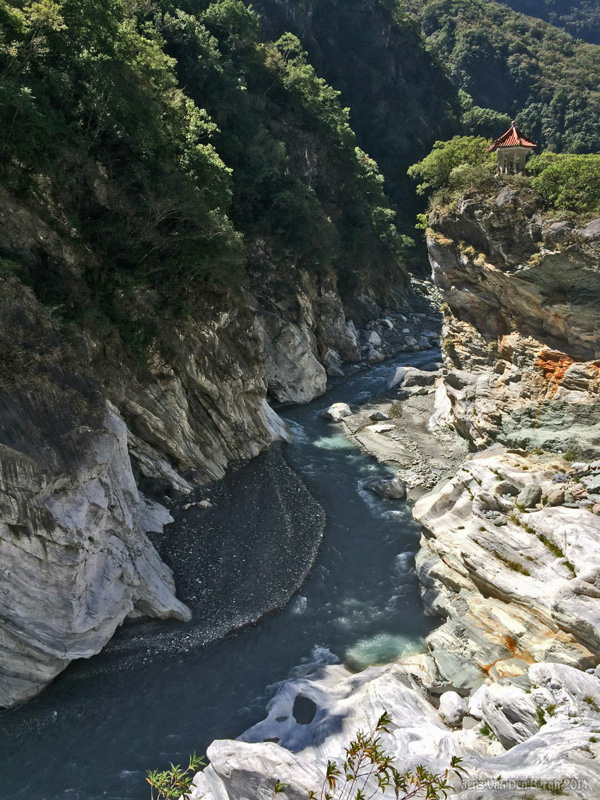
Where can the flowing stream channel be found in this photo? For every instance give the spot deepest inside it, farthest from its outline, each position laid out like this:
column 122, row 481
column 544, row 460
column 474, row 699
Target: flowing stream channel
column 95, row 731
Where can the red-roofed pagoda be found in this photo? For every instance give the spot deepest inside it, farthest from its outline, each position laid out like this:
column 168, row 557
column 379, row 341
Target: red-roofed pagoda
column 513, row 149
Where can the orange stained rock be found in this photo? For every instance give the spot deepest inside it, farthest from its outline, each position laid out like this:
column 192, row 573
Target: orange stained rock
column 554, row 366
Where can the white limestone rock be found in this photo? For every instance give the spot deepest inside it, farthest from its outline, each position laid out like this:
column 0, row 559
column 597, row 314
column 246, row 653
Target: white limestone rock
column 240, row 771
column 277, row 428
column 333, row 363
column 375, row 356
column 452, row 708
column 394, row 489
column 379, row 416
column 412, row 378
column 476, row 700
column 153, row 516
column 381, row 427
column 510, row 713
column 294, row 373
column 560, row 752
column 73, row 546
column 528, row 364
column 507, row 596
column 337, row 412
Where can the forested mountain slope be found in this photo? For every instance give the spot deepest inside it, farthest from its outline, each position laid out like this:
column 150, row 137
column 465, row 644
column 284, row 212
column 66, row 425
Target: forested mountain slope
column 399, row 96
column 152, row 139
column 581, row 18
column 520, row 66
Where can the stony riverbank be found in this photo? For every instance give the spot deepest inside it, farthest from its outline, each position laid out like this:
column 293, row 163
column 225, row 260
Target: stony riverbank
column 395, row 429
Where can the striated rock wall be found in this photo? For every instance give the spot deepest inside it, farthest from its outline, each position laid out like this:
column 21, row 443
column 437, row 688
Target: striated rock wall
column 521, row 329
column 304, row 337
column 74, row 554
column 513, row 571
column 509, row 555
column 192, row 413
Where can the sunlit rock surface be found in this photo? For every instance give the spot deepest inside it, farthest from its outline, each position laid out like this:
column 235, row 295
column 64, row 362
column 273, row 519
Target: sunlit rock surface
column 514, row 585
column 546, row 736
column 521, row 330
column 73, row 550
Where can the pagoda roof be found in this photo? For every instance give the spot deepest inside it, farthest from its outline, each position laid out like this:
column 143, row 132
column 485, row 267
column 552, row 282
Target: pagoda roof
column 512, row 138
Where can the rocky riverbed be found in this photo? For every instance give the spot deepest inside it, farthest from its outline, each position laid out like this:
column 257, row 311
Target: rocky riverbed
column 510, row 681
column 510, row 547
column 395, row 428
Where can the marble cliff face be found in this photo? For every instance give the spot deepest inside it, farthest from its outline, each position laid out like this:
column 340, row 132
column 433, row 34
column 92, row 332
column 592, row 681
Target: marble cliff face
column 521, row 340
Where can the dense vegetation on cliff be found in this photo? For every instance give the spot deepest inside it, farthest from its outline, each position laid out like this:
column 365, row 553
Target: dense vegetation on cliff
column 581, row 18
column 176, row 149
column 519, row 66
column 400, row 97
column 168, row 148
column 557, row 182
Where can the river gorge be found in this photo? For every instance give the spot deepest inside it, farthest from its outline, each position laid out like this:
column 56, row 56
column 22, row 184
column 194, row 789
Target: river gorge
column 140, row 704
column 299, row 399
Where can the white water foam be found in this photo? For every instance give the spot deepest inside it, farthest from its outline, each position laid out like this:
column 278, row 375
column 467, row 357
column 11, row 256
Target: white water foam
column 299, row 432
column 299, row 605
column 336, row 442
column 320, row 656
column 379, row 649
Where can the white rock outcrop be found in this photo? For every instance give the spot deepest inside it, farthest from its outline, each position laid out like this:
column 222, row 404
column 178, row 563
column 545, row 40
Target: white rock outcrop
column 294, row 373
column 74, row 557
column 337, row 412
column 542, row 758
column 514, row 586
column 452, row 708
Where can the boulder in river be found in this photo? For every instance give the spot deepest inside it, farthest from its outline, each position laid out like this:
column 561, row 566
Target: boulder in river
column 337, row 412
column 394, row 489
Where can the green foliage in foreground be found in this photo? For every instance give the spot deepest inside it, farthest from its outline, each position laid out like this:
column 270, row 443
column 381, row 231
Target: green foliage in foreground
column 366, row 768
column 176, row 782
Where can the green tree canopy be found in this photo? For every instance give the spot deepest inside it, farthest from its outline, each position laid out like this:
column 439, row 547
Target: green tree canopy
column 520, row 66
column 569, row 182
column 435, row 170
